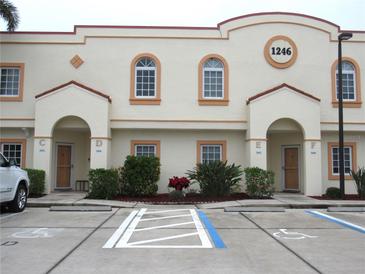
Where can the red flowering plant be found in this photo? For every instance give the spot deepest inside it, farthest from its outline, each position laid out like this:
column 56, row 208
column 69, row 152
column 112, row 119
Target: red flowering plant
column 179, row 183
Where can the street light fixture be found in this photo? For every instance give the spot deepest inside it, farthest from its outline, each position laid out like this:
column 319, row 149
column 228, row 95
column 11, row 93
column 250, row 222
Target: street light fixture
column 343, row 36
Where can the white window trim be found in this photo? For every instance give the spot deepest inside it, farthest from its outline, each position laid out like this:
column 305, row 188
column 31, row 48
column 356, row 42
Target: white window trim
column 203, row 89
column 13, row 143
column 354, row 79
column 19, row 75
column 148, row 145
column 350, row 149
column 135, row 81
column 211, row 145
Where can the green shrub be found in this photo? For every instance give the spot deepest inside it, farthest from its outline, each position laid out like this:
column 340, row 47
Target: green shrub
column 359, row 177
column 333, row 193
column 37, row 181
column 259, row 182
column 139, row 175
column 104, row 183
column 216, row 178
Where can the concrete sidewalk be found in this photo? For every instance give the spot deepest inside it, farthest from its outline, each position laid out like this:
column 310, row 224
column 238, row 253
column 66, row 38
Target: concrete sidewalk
column 286, row 200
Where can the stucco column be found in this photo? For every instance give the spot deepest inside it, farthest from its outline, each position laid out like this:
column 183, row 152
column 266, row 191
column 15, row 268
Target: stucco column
column 257, row 153
column 100, row 152
column 42, row 158
column 312, row 167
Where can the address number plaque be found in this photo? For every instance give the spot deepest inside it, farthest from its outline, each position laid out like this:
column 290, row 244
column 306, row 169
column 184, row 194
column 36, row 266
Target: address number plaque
column 280, row 52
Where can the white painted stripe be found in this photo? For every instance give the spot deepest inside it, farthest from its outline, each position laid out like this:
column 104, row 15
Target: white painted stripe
column 164, row 211
column 165, row 246
column 340, row 221
column 200, row 228
column 164, row 238
column 12, row 215
column 162, row 226
column 166, row 217
column 118, row 233
column 129, row 231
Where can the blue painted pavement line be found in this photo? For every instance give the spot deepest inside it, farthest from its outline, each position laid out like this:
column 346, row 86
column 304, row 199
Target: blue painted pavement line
column 212, row 232
column 336, row 220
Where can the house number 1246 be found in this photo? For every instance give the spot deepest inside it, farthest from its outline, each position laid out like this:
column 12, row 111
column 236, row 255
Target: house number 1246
column 281, row 51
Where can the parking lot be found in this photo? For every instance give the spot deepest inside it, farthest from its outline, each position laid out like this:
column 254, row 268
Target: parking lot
column 167, row 239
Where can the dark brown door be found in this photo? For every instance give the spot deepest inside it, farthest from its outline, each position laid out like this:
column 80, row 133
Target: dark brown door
column 291, row 168
column 63, row 165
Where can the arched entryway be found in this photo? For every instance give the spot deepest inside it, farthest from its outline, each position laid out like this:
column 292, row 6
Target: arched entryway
column 285, row 154
column 70, row 153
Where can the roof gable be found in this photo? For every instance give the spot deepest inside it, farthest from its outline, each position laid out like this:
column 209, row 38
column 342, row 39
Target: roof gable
column 283, row 85
column 76, row 84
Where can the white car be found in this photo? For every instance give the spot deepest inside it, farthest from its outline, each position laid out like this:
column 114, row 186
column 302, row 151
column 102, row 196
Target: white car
column 14, row 185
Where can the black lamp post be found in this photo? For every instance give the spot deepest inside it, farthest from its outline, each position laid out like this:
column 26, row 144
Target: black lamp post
column 343, row 36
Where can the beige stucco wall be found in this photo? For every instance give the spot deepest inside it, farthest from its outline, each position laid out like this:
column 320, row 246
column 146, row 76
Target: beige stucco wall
column 359, row 139
column 178, row 149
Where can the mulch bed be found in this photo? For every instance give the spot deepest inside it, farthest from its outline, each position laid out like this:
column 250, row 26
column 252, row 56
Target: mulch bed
column 190, row 198
column 347, row 197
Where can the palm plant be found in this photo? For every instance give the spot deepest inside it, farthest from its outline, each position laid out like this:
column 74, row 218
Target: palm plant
column 359, row 178
column 10, row 14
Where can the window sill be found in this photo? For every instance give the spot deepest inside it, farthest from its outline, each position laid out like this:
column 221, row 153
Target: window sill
column 337, row 177
column 213, row 102
column 355, row 104
column 137, row 101
column 11, row 98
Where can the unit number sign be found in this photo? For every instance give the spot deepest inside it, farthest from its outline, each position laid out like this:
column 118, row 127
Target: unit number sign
column 280, row 51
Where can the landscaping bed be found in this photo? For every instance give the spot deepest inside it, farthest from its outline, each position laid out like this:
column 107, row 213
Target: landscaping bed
column 190, row 198
column 347, row 197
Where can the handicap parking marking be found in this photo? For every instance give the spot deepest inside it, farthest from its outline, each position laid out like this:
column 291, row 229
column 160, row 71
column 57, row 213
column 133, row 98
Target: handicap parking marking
column 121, row 237
column 336, row 220
column 284, row 234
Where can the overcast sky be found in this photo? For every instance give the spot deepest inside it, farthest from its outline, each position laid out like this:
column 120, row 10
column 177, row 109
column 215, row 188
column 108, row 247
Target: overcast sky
column 62, row 15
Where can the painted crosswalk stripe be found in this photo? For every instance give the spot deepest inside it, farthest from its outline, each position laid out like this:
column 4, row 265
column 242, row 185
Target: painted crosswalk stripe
column 163, row 239
column 336, row 220
column 163, row 226
column 165, row 217
column 200, row 228
column 118, row 233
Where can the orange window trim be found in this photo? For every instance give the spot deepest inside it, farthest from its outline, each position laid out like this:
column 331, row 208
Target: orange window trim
column 133, row 100
column 23, row 142
column 213, row 102
column 157, row 143
column 353, row 155
column 199, row 143
column 347, row 104
column 19, row 97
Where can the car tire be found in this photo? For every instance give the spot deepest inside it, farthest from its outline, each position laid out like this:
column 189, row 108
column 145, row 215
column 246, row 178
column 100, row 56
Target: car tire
column 20, row 199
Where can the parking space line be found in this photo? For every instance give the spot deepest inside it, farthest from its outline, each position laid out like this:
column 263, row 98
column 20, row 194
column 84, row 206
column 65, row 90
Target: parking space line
column 202, row 235
column 129, row 231
column 164, row 238
column 165, row 211
column 212, row 232
column 336, row 220
column 166, row 217
column 118, row 233
column 162, row 226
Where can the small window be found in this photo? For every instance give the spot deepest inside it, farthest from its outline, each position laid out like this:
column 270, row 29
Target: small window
column 348, row 81
column 211, row 153
column 12, row 151
column 145, row 78
column 213, row 79
column 349, row 156
column 11, row 81
column 145, row 150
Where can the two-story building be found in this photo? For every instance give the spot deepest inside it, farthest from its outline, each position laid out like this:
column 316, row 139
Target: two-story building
column 257, row 90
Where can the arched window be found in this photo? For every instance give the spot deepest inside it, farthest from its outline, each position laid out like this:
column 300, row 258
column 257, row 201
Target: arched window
column 351, row 86
column 348, row 81
column 213, row 81
column 145, row 80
